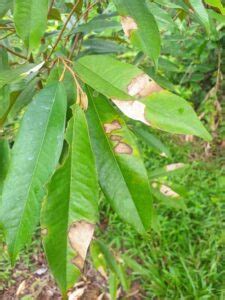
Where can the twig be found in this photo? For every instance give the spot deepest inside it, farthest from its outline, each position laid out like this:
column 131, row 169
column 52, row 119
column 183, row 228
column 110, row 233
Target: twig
column 13, row 52
column 81, row 16
column 50, row 6
column 7, row 35
column 63, row 29
column 76, row 39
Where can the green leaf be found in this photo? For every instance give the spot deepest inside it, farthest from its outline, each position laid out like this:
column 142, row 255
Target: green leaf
column 23, row 99
column 34, row 157
column 140, row 26
column 151, row 140
column 111, row 263
column 216, row 4
column 30, row 19
column 71, row 206
column 201, row 12
column 98, row 24
column 107, row 75
column 122, row 174
column 5, row 5
column 102, row 46
column 4, row 90
column 169, row 112
column 16, row 74
column 4, row 161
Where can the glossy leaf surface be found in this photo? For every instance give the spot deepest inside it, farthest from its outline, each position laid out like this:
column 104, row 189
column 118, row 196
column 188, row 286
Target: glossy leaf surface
column 31, row 20
column 71, row 208
column 122, row 174
column 140, row 26
column 35, row 155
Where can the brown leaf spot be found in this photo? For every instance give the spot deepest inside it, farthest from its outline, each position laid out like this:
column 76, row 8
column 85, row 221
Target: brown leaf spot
column 133, row 109
column 123, row 148
column 80, row 235
column 115, row 138
column 128, row 25
column 109, row 127
column 174, row 167
column 167, row 191
column 142, row 86
column 44, row 231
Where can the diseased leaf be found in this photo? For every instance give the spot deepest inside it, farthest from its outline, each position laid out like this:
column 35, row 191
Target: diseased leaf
column 122, row 174
column 169, row 112
column 30, row 19
column 71, row 207
column 201, row 12
column 34, row 157
column 168, row 170
column 140, row 26
column 113, row 78
column 166, row 111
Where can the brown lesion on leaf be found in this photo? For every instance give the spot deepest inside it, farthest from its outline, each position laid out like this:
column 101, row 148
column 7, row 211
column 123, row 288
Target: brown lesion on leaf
column 44, row 231
column 117, row 138
column 123, row 148
column 114, row 125
column 80, row 235
column 128, row 25
column 142, row 86
column 119, row 146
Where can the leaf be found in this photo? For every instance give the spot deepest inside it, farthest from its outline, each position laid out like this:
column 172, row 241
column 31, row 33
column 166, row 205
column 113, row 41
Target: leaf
column 113, row 78
column 23, row 99
column 216, row 4
column 98, row 24
column 4, row 161
column 4, row 90
column 122, row 174
column 168, row 196
column 169, row 112
column 151, row 140
column 201, row 12
column 158, row 108
column 140, row 26
column 70, row 209
column 168, row 170
column 166, row 111
column 54, row 14
column 101, row 46
column 16, row 74
column 34, row 157
column 114, row 266
column 5, row 5
column 30, row 19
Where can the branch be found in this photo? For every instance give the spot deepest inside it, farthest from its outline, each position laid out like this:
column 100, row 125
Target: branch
column 63, row 29
column 13, row 52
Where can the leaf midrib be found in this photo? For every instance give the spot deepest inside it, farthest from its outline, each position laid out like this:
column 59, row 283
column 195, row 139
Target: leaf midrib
column 113, row 155
column 128, row 97
column 34, row 171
